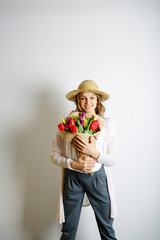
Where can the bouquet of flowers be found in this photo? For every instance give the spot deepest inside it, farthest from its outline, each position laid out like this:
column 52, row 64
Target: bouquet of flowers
column 82, row 124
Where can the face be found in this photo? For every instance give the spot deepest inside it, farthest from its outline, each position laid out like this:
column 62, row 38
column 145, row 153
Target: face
column 88, row 102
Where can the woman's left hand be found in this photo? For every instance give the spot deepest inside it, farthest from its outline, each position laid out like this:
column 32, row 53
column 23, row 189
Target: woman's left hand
column 87, row 148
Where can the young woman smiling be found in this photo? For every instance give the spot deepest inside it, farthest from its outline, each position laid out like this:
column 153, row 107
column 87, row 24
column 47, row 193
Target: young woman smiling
column 77, row 184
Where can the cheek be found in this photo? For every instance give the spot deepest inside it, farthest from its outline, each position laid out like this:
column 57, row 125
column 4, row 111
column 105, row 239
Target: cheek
column 95, row 103
column 81, row 103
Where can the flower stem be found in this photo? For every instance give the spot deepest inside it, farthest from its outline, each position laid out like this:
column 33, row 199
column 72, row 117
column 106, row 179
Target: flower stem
column 91, row 173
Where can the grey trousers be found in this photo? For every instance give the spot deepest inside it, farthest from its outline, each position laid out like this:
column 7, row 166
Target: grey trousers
column 75, row 186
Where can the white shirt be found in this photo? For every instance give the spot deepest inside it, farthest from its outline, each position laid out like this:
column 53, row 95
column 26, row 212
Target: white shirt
column 107, row 144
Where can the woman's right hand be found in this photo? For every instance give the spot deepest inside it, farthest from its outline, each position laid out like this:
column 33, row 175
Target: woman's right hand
column 83, row 163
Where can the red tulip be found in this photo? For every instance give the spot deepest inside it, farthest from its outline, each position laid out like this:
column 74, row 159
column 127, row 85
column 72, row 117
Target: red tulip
column 94, row 125
column 71, row 121
column 73, row 128
column 61, row 127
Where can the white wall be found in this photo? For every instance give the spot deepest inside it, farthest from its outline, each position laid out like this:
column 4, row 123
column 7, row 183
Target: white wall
column 47, row 49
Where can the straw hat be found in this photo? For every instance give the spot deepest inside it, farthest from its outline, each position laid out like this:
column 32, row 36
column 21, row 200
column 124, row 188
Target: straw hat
column 87, row 86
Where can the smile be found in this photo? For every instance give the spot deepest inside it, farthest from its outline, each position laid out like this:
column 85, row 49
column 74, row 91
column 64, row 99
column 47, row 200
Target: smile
column 87, row 107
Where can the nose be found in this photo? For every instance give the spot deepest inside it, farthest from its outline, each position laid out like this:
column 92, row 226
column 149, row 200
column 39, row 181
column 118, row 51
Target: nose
column 87, row 101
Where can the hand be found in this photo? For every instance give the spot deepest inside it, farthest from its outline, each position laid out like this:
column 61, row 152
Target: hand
column 86, row 148
column 84, row 164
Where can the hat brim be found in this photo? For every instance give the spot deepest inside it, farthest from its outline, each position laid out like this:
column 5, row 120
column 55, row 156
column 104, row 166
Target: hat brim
column 71, row 95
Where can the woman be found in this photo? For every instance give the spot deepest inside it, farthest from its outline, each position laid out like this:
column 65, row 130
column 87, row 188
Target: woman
column 77, row 184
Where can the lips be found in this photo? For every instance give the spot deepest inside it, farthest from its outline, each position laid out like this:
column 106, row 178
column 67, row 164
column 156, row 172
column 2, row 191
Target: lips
column 88, row 107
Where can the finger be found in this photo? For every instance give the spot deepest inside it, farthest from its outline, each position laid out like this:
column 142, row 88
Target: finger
column 78, row 136
column 83, row 157
column 80, row 139
column 90, row 160
column 89, row 165
column 76, row 141
column 80, row 149
column 90, row 139
column 88, row 169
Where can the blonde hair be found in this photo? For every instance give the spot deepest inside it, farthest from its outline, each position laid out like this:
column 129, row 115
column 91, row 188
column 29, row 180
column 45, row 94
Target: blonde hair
column 100, row 108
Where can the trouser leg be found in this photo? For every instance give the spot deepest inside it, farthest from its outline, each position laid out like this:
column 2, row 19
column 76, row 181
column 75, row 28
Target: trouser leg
column 72, row 198
column 97, row 192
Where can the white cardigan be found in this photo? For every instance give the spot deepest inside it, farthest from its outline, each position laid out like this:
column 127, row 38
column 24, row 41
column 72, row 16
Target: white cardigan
column 107, row 144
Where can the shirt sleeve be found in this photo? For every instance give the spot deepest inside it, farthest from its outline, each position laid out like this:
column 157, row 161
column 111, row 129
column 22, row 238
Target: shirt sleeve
column 58, row 152
column 111, row 157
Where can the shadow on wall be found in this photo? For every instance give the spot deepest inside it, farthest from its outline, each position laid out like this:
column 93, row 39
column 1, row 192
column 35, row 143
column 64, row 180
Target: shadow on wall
column 41, row 184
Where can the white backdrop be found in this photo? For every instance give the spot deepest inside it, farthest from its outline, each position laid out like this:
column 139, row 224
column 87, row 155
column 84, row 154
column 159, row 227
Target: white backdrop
column 47, row 49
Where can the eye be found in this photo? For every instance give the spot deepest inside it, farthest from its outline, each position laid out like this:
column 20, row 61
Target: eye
column 82, row 98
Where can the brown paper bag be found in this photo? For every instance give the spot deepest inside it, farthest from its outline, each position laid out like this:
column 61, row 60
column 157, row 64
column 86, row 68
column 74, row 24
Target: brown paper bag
column 68, row 136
